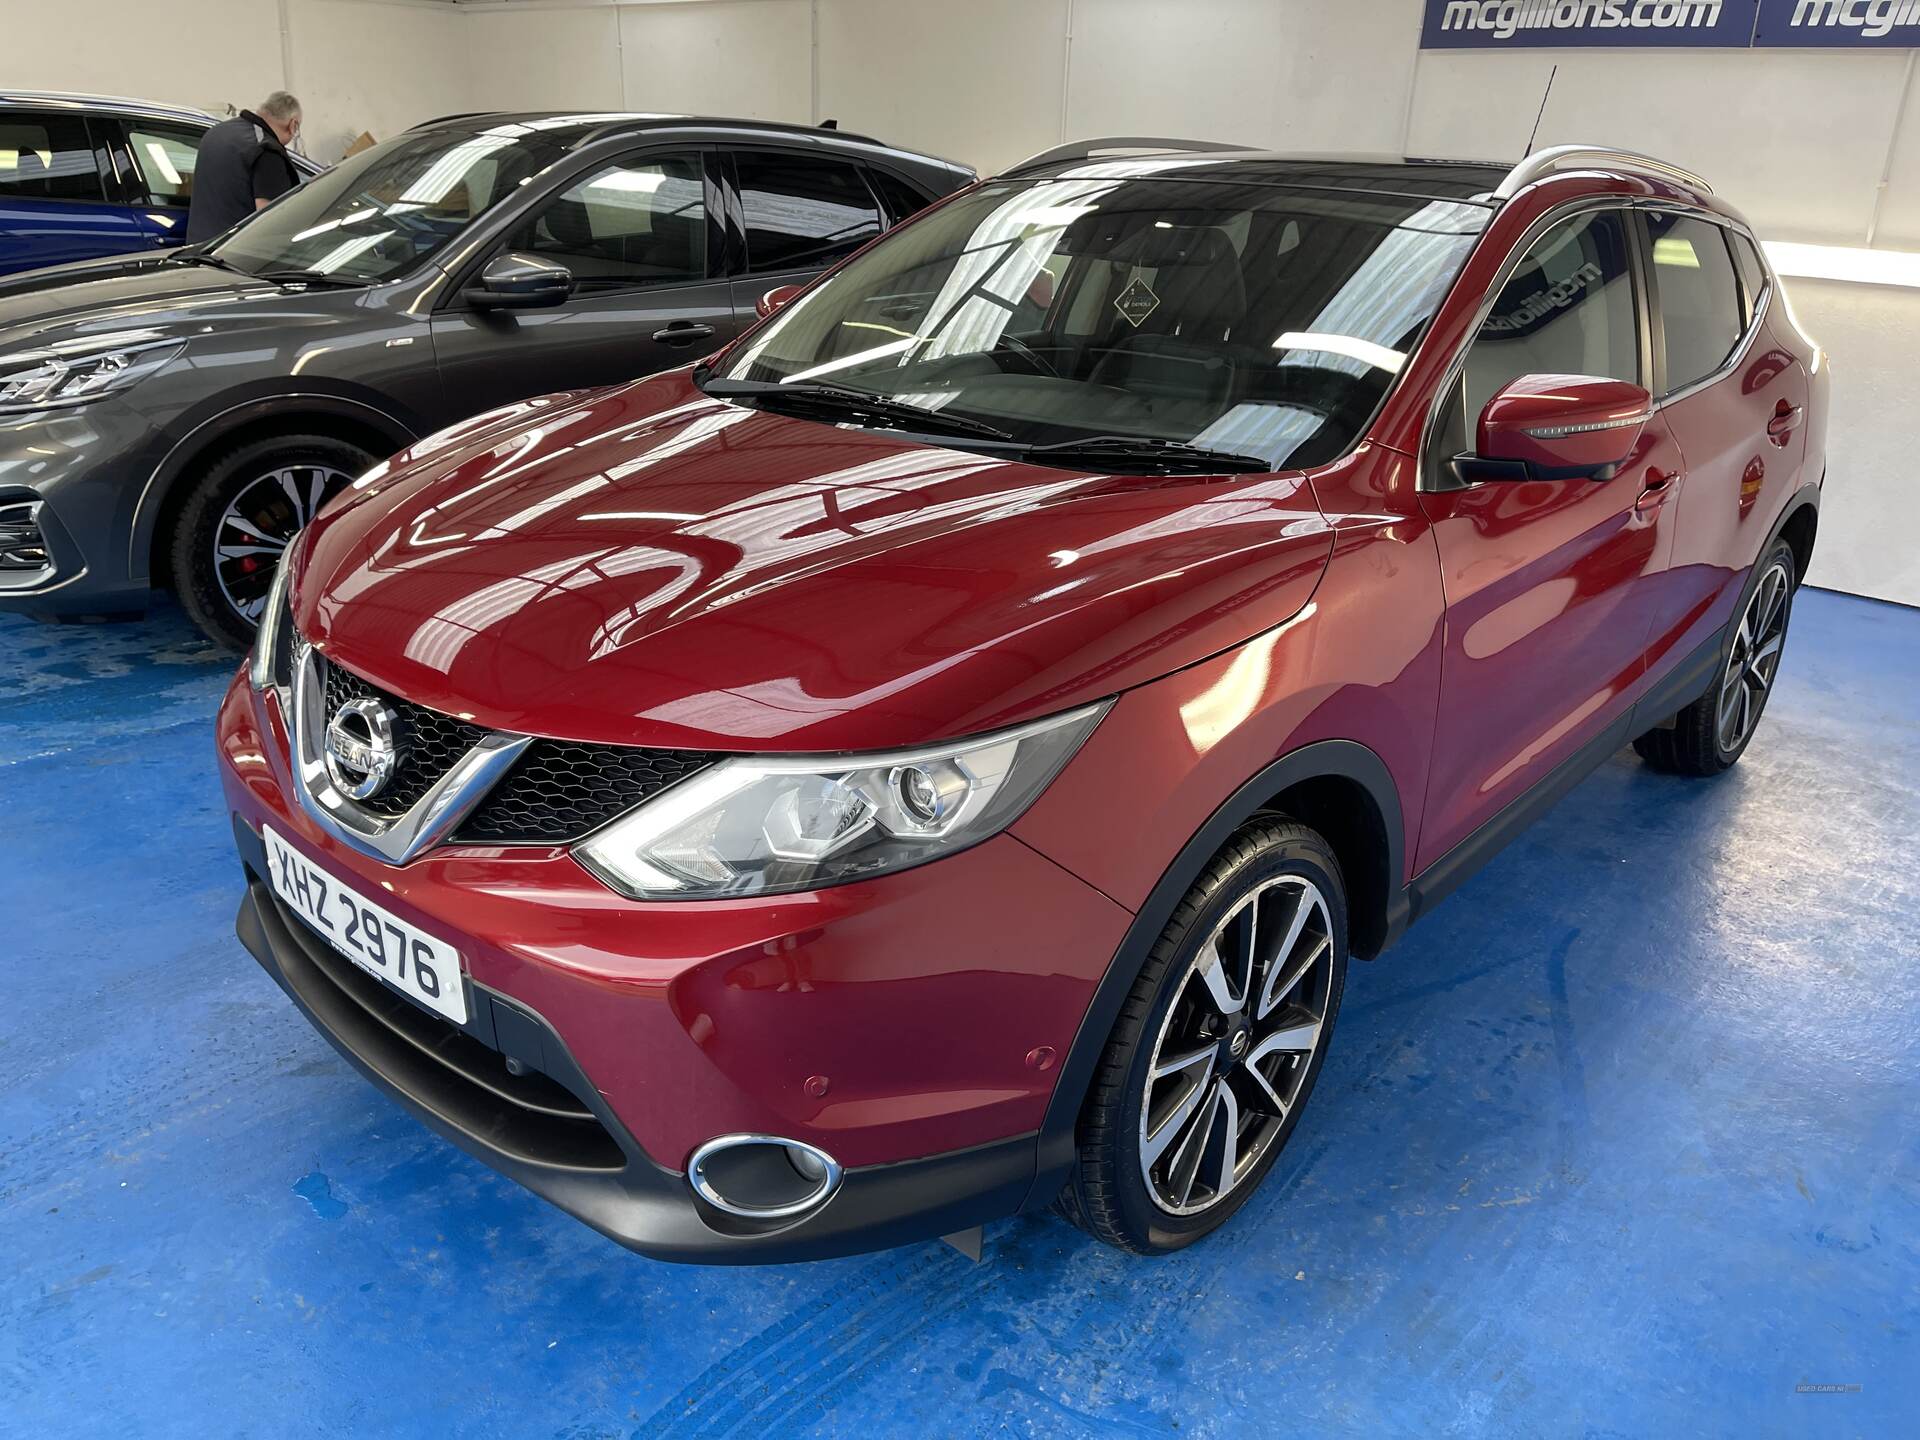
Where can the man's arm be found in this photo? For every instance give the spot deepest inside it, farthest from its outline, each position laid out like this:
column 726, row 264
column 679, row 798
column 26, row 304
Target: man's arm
column 272, row 178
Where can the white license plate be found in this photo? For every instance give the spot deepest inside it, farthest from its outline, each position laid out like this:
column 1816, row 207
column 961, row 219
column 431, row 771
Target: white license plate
column 379, row 942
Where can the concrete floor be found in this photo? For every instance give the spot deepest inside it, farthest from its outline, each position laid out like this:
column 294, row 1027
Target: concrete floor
column 1624, row 1139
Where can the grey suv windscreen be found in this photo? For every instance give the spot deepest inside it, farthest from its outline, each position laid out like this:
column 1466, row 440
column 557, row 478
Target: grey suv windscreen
column 380, row 213
column 1263, row 321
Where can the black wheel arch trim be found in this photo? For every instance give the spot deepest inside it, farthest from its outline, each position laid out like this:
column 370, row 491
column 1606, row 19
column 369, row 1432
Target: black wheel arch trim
column 291, row 406
column 1321, row 759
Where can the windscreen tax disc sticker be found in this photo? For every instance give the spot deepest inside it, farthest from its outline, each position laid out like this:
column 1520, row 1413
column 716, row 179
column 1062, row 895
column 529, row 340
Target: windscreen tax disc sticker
column 1136, row 302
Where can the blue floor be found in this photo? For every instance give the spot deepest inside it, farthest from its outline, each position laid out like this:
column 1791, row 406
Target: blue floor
column 1624, row 1140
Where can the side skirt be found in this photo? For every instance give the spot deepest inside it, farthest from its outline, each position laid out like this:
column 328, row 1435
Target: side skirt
column 1680, row 687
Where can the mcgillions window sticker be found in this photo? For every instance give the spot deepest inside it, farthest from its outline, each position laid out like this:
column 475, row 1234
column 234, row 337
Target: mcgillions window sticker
column 1727, row 24
column 1525, row 317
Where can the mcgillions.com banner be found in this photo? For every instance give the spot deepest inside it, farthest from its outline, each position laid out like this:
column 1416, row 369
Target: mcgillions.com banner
column 1728, row 24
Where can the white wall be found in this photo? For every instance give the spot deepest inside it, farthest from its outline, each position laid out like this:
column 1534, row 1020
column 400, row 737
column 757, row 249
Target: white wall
column 230, row 52
column 372, row 65
column 378, row 65
column 553, row 59
column 1872, row 501
column 750, row 58
column 1796, row 139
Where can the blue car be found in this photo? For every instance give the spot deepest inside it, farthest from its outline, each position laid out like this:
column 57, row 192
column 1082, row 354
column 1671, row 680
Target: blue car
column 82, row 176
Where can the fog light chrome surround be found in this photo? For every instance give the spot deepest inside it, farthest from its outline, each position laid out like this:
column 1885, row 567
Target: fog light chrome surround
column 23, row 544
column 749, row 1166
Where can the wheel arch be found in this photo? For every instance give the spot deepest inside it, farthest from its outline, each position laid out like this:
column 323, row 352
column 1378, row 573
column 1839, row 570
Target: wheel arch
column 1799, row 527
column 1340, row 788
column 158, row 508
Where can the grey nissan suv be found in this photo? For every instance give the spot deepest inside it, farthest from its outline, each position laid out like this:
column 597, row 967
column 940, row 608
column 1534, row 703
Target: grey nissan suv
column 173, row 420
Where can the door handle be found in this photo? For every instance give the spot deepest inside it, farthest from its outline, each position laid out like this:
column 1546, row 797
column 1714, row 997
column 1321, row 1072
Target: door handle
column 683, row 332
column 1659, row 485
column 1781, row 426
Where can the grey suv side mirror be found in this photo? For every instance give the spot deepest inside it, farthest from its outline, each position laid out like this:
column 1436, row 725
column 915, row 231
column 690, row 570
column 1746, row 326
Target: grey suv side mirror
column 517, row 281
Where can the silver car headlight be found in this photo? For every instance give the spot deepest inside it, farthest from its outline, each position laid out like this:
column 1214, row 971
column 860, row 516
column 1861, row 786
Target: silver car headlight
column 763, row 826
column 73, row 372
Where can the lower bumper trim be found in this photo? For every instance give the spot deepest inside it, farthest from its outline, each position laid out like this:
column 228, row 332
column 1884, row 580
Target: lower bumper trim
column 613, row 1185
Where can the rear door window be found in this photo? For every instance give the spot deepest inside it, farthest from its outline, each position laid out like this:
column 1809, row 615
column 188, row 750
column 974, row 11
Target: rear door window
column 802, row 212
column 47, row 157
column 900, row 198
column 1699, row 294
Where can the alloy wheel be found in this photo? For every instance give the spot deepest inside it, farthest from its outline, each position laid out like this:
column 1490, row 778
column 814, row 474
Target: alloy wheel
column 1237, row 1045
column 257, row 525
column 1755, row 659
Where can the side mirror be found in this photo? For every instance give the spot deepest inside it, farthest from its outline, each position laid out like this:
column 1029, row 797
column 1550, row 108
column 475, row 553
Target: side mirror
column 516, row 281
column 1557, row 427
column 776, row 297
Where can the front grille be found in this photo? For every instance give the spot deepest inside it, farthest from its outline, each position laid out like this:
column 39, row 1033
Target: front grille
column 22, row 546
column 559, row 791
column 429, row 743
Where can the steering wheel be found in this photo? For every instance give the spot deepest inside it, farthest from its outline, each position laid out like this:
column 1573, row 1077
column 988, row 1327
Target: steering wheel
column 1038, row 362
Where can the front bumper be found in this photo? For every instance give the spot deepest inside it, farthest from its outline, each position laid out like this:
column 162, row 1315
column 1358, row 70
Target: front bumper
column 931, row 1021
column 77, row 469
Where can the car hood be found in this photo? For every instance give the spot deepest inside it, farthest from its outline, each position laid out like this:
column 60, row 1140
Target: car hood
column 96, row 297
column 649, row 566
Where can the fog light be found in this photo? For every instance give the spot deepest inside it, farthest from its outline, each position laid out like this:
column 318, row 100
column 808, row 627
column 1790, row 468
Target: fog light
column 22, row 546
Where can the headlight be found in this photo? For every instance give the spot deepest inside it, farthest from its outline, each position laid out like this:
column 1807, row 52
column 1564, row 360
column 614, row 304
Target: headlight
column 763, row 826
column 273, row 641
column 73, row 372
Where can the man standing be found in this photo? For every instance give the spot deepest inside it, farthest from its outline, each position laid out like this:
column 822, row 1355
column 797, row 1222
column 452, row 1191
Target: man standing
column 243, row 166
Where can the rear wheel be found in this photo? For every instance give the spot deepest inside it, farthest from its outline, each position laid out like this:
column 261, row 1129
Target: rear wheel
column 1710, row 734
column 1217, row 1047
column 252, row 500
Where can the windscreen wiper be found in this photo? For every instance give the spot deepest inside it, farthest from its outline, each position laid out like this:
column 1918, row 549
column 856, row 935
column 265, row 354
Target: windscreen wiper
column 205, row 257
column 309, row 277
column 1160, row 455
column 844, row 400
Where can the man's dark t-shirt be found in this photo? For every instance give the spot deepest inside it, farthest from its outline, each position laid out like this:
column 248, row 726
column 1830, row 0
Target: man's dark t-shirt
column 241, row 161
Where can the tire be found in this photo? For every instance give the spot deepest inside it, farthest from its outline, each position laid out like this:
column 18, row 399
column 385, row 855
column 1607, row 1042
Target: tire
column 1275, row 868
column 1709, row 735
column 272, row 486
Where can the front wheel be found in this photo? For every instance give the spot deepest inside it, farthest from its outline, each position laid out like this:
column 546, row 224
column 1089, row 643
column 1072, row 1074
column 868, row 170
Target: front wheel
column 1217, row 1047
column 1711, row 733
column 252, row 500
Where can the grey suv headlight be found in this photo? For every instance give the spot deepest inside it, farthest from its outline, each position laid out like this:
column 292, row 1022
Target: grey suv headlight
column 760, row 826
column 72, row 372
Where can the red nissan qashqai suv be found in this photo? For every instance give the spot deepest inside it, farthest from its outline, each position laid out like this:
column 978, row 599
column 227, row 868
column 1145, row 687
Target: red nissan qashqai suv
column 934, row 758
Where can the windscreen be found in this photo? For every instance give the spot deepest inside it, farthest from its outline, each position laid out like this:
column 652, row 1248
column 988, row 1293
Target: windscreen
column 380, row 213
column 1261, row 320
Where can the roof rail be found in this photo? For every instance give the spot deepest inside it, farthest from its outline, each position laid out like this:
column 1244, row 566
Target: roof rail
column 1087, row 149
column 1592, row 157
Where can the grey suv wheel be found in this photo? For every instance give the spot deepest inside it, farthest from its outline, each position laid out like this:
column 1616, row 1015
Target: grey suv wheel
column 250, row 503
